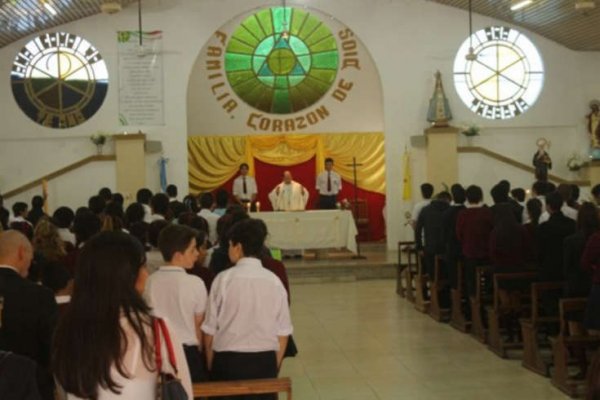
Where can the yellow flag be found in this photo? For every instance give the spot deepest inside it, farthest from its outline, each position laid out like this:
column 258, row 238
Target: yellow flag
column 407, row 179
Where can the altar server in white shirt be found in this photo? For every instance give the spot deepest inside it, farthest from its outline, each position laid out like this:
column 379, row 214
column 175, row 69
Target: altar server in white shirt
column 289, row 195
column 329, row 184
column 244, row 187
column 174, row 294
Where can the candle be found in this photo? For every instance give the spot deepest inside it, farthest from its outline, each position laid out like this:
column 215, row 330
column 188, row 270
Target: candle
column 258, row 206
column 248, row 207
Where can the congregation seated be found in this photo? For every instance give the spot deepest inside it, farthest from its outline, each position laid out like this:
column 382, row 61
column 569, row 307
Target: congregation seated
column 114, row 344
column 104, row 345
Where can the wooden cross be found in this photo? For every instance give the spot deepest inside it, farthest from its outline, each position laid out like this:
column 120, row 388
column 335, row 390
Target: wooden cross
column 354, row 165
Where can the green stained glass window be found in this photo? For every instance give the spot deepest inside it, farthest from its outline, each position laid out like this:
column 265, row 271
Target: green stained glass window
column 281, row 60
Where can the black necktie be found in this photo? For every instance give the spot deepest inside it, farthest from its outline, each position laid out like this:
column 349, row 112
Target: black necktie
column 245, row 187
column 329, row 181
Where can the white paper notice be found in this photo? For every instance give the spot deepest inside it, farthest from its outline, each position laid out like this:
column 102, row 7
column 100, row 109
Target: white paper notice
column 141, row 94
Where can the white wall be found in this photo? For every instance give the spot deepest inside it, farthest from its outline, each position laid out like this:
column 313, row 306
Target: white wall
column 408, row 39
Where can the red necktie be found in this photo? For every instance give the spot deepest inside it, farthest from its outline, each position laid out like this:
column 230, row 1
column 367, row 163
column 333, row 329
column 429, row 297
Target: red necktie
column 245, row 187
column 329, row 181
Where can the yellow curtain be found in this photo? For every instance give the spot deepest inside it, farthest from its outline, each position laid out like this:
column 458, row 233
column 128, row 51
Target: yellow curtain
column 213, row 160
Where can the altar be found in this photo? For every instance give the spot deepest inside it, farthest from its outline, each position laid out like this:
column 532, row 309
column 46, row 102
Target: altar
column 315, row 229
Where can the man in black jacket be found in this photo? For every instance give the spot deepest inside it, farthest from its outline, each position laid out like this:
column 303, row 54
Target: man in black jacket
column 453, row 249
column 430, row 223
column 550, row 237
column 28, row 311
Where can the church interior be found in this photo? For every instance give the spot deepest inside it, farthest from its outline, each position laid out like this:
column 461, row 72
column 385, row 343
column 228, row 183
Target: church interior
column 132, row 94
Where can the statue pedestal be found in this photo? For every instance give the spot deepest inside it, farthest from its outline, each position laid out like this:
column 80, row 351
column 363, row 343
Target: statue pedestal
column 131, row 164
column 594, row 172
column 442, row 156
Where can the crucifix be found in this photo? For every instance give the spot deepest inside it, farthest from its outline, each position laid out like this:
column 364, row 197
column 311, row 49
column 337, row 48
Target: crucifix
column 354, row 165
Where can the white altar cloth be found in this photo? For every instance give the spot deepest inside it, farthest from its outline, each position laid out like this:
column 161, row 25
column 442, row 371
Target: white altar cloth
column 315, row 229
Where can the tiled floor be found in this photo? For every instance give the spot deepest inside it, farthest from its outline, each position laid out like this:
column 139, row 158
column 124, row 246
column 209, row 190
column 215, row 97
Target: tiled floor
column 359, row 340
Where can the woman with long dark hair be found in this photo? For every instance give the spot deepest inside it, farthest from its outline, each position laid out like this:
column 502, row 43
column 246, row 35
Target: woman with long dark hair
column 104, row 343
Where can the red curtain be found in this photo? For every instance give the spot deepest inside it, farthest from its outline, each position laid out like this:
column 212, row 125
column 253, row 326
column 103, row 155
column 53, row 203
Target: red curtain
column 268, row 176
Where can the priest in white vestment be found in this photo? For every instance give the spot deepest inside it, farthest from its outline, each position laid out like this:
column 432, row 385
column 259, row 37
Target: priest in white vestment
column 289, row 195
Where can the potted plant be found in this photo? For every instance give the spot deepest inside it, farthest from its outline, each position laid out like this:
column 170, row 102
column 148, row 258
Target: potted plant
column 575, row 162
column 470, row 131
column 99, row 139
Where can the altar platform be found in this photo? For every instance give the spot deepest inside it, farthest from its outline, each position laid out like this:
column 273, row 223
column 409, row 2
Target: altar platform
column 339, row 266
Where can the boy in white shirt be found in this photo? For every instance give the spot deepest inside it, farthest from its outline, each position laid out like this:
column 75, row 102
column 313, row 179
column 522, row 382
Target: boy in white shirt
column 178, row 296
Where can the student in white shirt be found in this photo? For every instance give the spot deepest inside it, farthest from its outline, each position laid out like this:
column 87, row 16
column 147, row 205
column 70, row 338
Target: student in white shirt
column 160, row 207
column 143, row 197
column 104, row 344
column 173, row 293
column 247, row 321
column 427, row 193
column 244, row 187
column 206, row 203
column 63, row 219
column 329, row 184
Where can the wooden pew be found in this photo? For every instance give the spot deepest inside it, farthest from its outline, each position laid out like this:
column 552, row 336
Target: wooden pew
column 236, row 388
column 530, row 329
column 438, row 286
column 458, row 319
column 421, row 291
column 564, row 344
column 499, row 317
column 477, row 303
column 404, row 278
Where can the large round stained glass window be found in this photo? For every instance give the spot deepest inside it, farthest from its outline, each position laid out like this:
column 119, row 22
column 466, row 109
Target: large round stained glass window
column 59, row 80
column 503, row 75
column 281, row 60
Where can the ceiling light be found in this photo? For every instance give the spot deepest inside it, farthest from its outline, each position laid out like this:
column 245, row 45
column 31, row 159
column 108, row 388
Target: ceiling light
column 50, row 8
column 518, row 4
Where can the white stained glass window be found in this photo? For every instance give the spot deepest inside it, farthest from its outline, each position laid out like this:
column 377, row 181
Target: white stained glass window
column 505, row 76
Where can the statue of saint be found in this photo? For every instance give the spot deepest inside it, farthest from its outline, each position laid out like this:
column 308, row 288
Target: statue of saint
column 439, row 109
column 541, row 160
column 594, row 123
